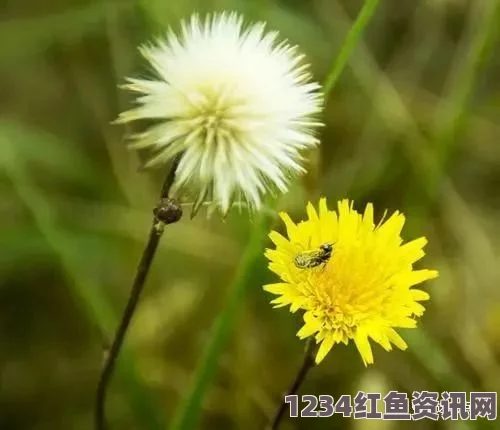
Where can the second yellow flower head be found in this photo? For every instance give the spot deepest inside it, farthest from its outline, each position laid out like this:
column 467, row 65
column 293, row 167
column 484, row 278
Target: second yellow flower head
column 362, row 290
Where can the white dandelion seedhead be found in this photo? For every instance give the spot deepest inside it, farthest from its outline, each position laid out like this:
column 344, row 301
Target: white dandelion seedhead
column 237, row 103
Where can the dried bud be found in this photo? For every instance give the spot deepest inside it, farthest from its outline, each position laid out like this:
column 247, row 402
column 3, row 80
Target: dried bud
column 168, row 211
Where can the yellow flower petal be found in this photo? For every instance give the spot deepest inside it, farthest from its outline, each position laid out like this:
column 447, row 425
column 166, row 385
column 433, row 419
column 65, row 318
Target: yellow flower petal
column 368, row 216
column 419, row 295
column 279, row 288
column 291, row 227
column 308, row 329
column 323, row 209
column 380, row 337
column 406, row 323
column 311, row 213
column 396, row 339
column 324, row 348
column 364, row 348
column 419, row 276
column 279, row 240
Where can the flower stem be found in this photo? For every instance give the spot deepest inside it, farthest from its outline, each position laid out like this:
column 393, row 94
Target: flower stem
column 167, row 211
column 307, row 364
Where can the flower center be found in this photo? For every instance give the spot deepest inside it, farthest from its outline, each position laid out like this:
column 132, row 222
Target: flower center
column 336, row 319
column 214, row 112
column 213, row 125
column 333, row 314
column 212, row 121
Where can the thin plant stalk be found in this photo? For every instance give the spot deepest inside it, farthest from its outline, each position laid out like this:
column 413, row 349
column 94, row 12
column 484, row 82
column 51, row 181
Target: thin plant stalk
column 189, row 411
column 166, row 212
column 87, row 294
column 352, row 39
column 307, row 365
column 451, row 117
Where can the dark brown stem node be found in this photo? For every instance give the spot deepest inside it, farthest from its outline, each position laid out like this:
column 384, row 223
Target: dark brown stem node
column 167, row 211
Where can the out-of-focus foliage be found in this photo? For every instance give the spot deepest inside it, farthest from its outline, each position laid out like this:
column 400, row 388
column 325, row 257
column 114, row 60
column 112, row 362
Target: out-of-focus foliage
column 411, row 125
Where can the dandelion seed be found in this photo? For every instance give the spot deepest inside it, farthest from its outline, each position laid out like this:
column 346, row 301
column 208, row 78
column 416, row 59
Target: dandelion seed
column 365, row 289
column 240, row 105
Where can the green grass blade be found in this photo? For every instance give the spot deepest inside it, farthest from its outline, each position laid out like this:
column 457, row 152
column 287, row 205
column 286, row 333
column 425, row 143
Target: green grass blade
column 88, row 296
column 34, row 35
column 188, row 414
column 452, row 116
column 353, row 36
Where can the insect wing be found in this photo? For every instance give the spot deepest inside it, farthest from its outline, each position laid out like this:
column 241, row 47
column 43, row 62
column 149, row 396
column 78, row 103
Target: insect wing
column 308, row 259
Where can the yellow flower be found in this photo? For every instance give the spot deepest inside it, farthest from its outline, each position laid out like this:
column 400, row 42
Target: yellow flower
column 363, row 291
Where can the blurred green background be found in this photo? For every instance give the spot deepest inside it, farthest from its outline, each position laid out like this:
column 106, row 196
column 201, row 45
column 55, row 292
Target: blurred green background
column 412, row 124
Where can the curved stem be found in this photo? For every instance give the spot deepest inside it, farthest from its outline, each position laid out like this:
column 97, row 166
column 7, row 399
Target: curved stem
column 165, row 212
column 307, row 365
